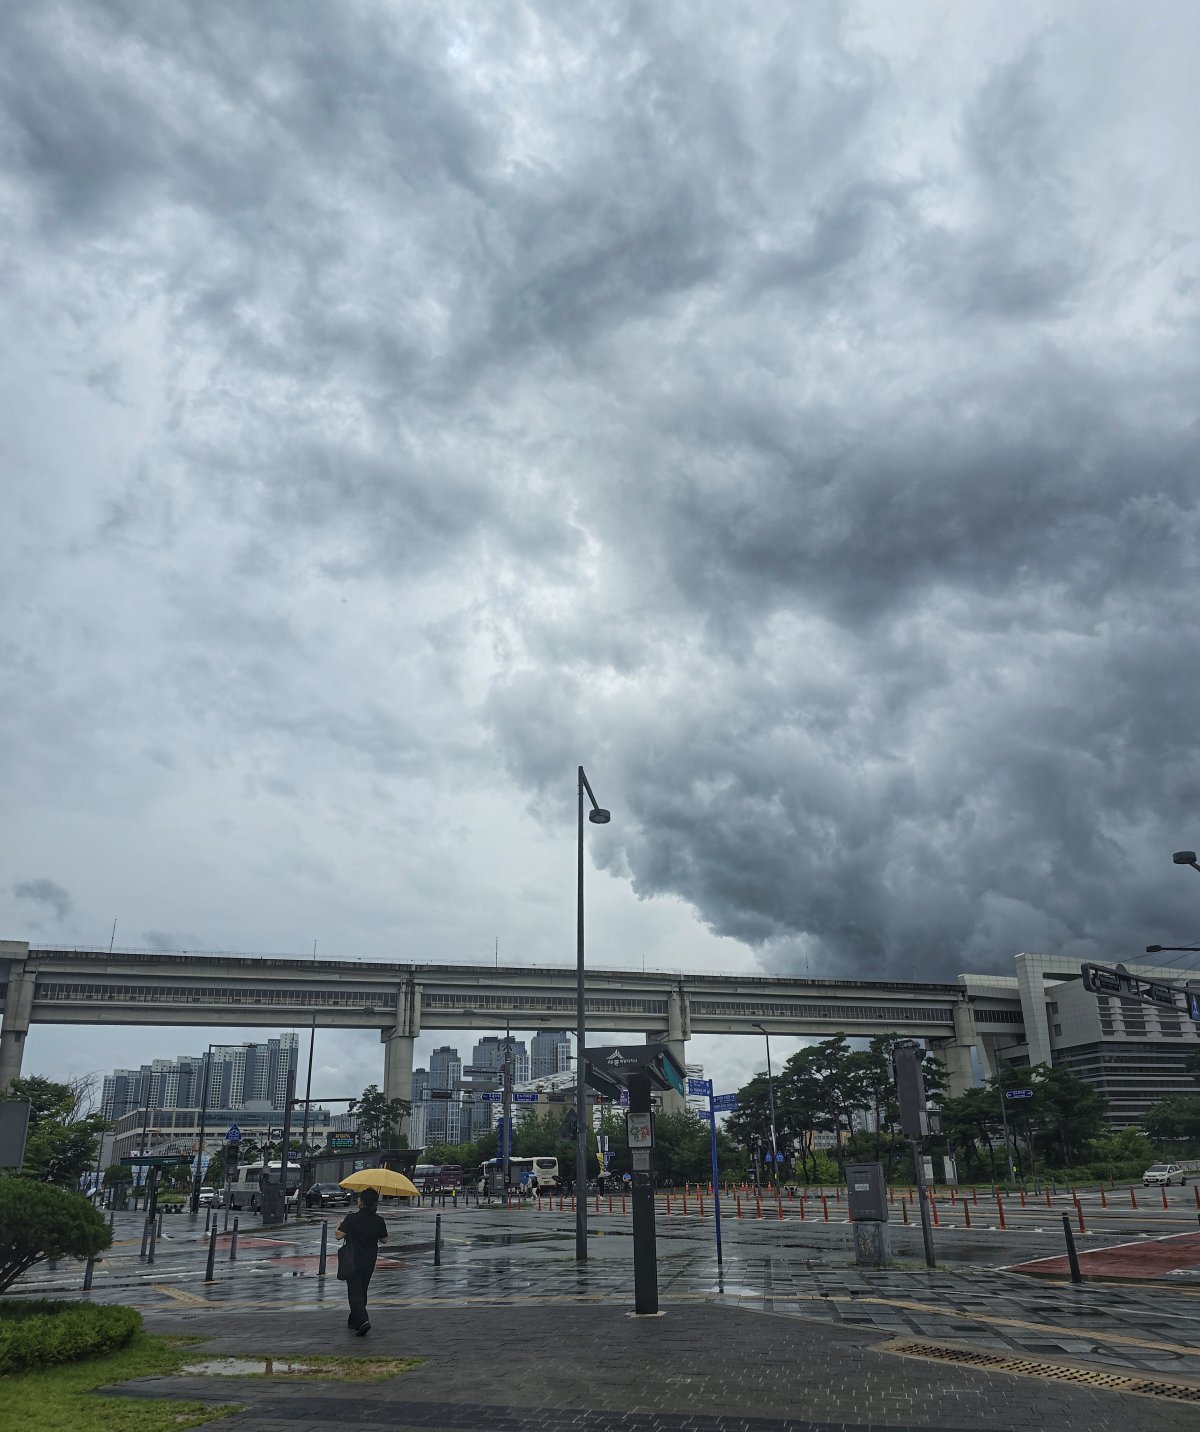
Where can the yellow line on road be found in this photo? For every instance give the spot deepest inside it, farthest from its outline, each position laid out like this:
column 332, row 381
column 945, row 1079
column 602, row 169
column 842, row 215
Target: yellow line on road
column 181, row 1295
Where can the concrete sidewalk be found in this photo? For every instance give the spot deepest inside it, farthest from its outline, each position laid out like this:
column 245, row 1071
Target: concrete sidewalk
column 699, row 1368
column 789, row 1334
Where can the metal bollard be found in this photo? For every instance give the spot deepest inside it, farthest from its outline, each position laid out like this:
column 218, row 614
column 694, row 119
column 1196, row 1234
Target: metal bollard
column 212, row 1254
column 152, row 1246
column 160, row 1218
column 87, row 1275
column 1072, row 1256
column 233, row 1243
column 437, row 1241
column 112, row 1219
column 324, row 1247
column 207, row 1217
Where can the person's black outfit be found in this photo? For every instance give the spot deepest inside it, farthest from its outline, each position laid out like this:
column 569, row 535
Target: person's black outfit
column 363, row 1231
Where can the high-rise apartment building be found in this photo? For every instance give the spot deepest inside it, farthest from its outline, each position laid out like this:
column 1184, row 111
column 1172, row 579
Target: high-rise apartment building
column 550, row 1053
column 253, row 1074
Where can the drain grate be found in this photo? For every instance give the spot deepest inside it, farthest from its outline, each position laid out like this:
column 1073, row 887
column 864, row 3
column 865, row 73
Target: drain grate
column 1057, row 1372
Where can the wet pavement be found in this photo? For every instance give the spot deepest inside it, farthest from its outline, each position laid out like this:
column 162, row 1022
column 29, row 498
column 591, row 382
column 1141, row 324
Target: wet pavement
column 788, row 1333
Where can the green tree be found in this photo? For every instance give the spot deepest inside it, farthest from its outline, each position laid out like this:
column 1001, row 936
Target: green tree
column 380, row 1118
column 40, row 1221
column 63, row 1129
column 1177, row 1117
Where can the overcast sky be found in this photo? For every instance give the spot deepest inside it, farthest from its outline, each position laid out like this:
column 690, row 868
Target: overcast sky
column 790, row 411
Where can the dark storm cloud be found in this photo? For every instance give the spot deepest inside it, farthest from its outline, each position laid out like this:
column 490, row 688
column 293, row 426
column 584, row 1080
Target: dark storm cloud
column 45, row 892
column 816, row 464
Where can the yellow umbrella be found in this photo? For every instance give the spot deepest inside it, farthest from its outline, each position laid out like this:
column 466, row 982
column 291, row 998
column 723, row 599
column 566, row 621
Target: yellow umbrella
column 382, row 1180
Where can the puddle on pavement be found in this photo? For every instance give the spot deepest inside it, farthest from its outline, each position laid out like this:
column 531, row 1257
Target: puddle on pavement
column 249, row 1367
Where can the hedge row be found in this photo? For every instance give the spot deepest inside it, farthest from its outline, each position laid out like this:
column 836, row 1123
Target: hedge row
column 40, row 1332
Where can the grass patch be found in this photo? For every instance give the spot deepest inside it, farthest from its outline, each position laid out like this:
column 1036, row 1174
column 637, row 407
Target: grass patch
column 62, row 1399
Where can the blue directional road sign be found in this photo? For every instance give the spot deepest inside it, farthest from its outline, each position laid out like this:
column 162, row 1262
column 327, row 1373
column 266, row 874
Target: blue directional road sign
column 1018, row 1093
column 699, row 1086
column 1193, row 999
column 525, row 1098
column 234, row 1136
column 491, row 1096
column 725, row 1101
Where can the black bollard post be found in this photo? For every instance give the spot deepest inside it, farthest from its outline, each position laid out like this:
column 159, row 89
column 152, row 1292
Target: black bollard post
column 112, row 1219
column 324, row 1246
column 87, row 1275
column 212, row 1254
column 145, row 1241
column 207, row 1217
column 160, row 1218
column 233, row 1243
column 437, row 1241
column 1072, row 1256
column 152, row 1246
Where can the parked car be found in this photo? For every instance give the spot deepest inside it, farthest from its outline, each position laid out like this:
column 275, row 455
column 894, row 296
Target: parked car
column 1170, row 1173
column 207, row 1197
column 327, row 1195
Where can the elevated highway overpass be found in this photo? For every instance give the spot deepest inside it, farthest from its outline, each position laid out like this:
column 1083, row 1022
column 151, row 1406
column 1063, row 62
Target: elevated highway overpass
column 401, row 1000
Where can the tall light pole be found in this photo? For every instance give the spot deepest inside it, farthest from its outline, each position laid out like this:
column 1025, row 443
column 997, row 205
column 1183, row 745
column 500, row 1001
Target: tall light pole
column 771, row 1096
column 598, row 816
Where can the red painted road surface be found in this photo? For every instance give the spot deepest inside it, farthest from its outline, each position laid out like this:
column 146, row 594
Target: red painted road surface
column 1147, row 1258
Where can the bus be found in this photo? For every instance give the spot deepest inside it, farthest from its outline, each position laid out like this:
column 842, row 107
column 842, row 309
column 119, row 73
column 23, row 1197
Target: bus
column 246, row 1186
column 533, row 1175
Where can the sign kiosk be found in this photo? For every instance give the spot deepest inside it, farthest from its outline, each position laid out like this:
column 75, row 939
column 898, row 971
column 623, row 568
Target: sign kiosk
column 640, row 1069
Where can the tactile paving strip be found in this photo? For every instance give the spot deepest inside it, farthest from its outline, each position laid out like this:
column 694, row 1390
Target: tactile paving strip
column 1057, row 1372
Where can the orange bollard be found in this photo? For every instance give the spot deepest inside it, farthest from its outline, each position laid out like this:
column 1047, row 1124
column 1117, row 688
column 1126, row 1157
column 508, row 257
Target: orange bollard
column 1132, row 1198
column 1079, row 1215
column 825, row 1206
column 1022, row 1198
column 966, row 1214
column 779, row 1202
column 803, row 1201
column 597, row 1203
column 510, row 1203
column 1000, row 1211
column 975, row 1197
column 668, row 1205
column 1196, row 1191
column 1103, row 1198
column 904, row 1208
column 700, row 1200
column 933, row 1205
column 758, row 1205
column 1048, row 1203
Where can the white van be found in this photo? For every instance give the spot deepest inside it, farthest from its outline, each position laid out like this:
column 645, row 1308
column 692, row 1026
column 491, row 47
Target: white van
column 245, row 1190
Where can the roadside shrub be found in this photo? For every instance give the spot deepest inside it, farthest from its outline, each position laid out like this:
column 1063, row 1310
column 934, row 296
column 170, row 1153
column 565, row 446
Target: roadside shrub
column 40, row 1332
column 40, row 1221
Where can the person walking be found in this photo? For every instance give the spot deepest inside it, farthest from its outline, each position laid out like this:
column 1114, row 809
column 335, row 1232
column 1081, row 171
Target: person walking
column 363, row 1232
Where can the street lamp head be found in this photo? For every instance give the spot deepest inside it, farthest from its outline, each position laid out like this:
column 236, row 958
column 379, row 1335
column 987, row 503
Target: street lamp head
column 599, row 816
column 1154, row 949
column 1184, row 857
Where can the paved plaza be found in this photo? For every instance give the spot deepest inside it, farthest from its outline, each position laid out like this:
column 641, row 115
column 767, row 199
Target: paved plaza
column 515, row 1334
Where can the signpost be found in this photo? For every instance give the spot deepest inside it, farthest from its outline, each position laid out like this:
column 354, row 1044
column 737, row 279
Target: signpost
column 704, row 1086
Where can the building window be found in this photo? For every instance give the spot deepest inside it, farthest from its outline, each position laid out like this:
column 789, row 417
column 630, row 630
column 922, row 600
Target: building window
column 1058, row 1029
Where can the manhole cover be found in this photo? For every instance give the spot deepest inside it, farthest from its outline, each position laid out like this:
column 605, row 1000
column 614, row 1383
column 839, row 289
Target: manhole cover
column 1056, row 1372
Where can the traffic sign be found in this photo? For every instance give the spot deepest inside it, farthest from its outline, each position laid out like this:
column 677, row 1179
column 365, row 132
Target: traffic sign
column 699, row 1086
column 234, row 1136
column 151, row 1160
column 525, row 1098
column 1018, row 1093
column 725, row 1101
column 491, row 1096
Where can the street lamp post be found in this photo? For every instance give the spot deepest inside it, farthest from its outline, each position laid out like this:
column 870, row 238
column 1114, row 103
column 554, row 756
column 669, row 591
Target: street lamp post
column 771, row 1096
column 598, row 816
column 198, row 1175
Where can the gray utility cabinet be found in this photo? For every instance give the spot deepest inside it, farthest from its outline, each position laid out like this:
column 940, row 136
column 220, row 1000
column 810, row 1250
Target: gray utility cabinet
column 866, row 1193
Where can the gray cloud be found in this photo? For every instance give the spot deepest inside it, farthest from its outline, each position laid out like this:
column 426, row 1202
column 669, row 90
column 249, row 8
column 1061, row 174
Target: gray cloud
column 795, row 420
column 45, row 892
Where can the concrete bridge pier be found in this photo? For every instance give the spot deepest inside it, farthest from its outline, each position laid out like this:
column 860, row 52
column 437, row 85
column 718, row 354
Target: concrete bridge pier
column 675, row 1037
column 398, row 1043
column 18, row 1011
column 955, row 1054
